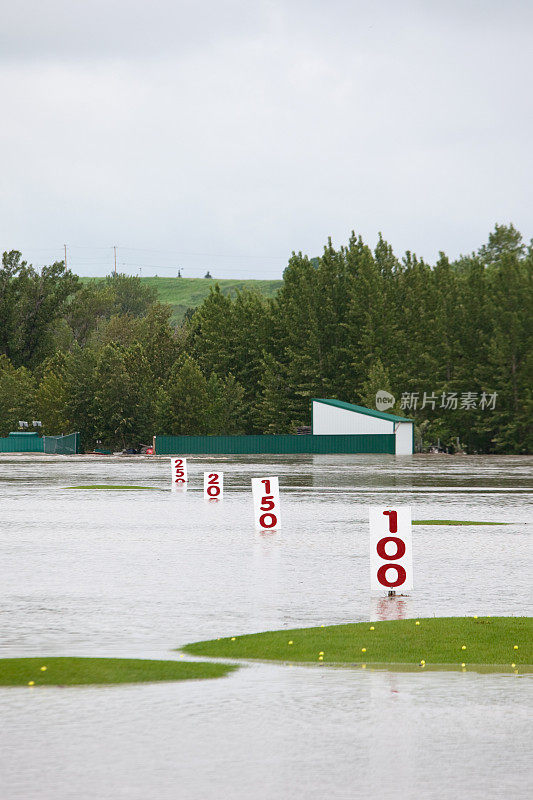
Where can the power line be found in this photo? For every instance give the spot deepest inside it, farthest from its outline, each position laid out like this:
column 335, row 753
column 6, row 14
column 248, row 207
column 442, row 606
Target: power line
column 174, row 253
column 79, row 257
column 203, row 255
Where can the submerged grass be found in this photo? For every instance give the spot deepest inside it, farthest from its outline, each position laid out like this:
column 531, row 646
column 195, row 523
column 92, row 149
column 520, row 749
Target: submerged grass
column 454, row 522
column 66, row 671
column 445, row 640
column 109, row 486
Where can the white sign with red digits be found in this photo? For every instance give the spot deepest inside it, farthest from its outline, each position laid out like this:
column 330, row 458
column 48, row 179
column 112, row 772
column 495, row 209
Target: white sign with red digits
column 391, row 550
column 179, row 473
column 266, row 504
column 213, row 485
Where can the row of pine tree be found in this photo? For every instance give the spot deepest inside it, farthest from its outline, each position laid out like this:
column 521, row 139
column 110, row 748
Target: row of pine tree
column 451, row 341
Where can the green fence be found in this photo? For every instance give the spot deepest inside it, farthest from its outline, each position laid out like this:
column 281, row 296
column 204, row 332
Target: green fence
column 278, row 445
column 21, row 443
column 62, row 445
column 33, row 443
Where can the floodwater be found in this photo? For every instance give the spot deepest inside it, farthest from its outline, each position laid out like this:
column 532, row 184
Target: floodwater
column 138, row 573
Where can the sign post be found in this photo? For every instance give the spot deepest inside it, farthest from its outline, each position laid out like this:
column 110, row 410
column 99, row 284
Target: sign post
column 179, row 473
column 213, row 485
column 266, row 504
column 391, row 551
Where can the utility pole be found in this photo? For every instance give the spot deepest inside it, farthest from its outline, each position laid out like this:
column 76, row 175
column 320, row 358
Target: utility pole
column 115, row 250
column 65, row 255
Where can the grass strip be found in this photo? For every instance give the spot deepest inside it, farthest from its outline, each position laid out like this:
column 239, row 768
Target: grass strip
column 454, row 522
column 67, row 671
column 443, row 640
column 109, row 486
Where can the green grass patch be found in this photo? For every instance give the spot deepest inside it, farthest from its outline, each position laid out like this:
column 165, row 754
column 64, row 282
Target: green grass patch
column 66, row 671
column 454, row 522
column 184, row 293
column 108, row 486
column 488, row 641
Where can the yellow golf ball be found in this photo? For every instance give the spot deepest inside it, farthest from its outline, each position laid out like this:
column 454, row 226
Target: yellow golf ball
column 513, row 665
column 463, row 647
column 363, row 649
column 43, row 669
column 31, row 683
column 322, row 626
column 371, row 627
column 422, row 663
column 475, row 616
column 515, row 647
column 417, row 623
column 321, row 658
column 233, row 638
column 290, row 641
column 463, row 664
column 363, row 666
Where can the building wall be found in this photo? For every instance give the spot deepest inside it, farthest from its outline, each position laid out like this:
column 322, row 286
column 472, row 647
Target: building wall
column 19, row 444
column 330, row 420
column 404, row 438
column 274, row 444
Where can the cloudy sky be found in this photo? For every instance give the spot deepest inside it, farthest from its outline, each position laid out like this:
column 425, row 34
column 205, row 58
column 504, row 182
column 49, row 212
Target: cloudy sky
column 224, row 134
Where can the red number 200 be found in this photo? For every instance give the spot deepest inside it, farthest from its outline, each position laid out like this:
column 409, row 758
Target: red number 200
column 213, row 488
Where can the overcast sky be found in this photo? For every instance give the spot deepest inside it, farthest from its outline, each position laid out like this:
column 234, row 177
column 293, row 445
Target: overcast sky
column 223, row 135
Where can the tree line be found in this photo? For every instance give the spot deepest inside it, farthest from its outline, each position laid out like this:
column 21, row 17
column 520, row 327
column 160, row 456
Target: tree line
column 452, row 342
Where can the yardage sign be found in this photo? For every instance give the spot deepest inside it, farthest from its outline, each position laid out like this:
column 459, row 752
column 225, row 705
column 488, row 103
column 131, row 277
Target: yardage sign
column 266, row 503
column 213, row 485
column 179, row 473
column 391, row 552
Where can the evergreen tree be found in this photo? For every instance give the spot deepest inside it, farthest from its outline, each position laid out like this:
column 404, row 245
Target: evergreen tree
column 226, row 412
column 123, row 400
column 376, row 381
column 105, row 359
column 17, row 396
column 189, row 402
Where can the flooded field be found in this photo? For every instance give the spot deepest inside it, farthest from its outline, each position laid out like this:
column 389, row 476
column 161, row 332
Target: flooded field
column 137, row 573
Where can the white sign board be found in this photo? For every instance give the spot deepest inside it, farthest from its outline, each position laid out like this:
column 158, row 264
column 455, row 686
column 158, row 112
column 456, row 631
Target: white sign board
column 179, row 473
column 266, row 503
column 391, row 550
column 213, row 485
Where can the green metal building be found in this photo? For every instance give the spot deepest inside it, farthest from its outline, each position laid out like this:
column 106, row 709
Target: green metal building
column 338, row 427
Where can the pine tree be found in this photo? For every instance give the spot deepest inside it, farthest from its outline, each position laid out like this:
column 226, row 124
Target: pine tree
column 17, row 396
column 376, row 381
column 189, row 400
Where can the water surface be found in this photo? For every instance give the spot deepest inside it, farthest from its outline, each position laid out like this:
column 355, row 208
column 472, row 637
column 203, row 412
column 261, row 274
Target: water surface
column 138, row 573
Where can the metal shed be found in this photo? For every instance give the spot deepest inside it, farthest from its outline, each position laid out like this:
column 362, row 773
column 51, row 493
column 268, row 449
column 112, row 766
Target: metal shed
column 334, row 417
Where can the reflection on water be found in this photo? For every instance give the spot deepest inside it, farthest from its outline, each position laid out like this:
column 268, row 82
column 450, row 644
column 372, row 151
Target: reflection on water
column 137, row 573
column 394, row 607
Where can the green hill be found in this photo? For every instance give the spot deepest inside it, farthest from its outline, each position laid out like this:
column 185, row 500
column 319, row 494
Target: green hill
column 184, row 293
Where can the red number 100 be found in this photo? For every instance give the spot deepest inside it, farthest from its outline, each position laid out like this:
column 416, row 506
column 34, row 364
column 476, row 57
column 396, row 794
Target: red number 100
column 382, row 553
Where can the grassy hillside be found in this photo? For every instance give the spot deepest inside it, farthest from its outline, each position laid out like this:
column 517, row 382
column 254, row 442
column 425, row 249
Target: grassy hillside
column 184, row 293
